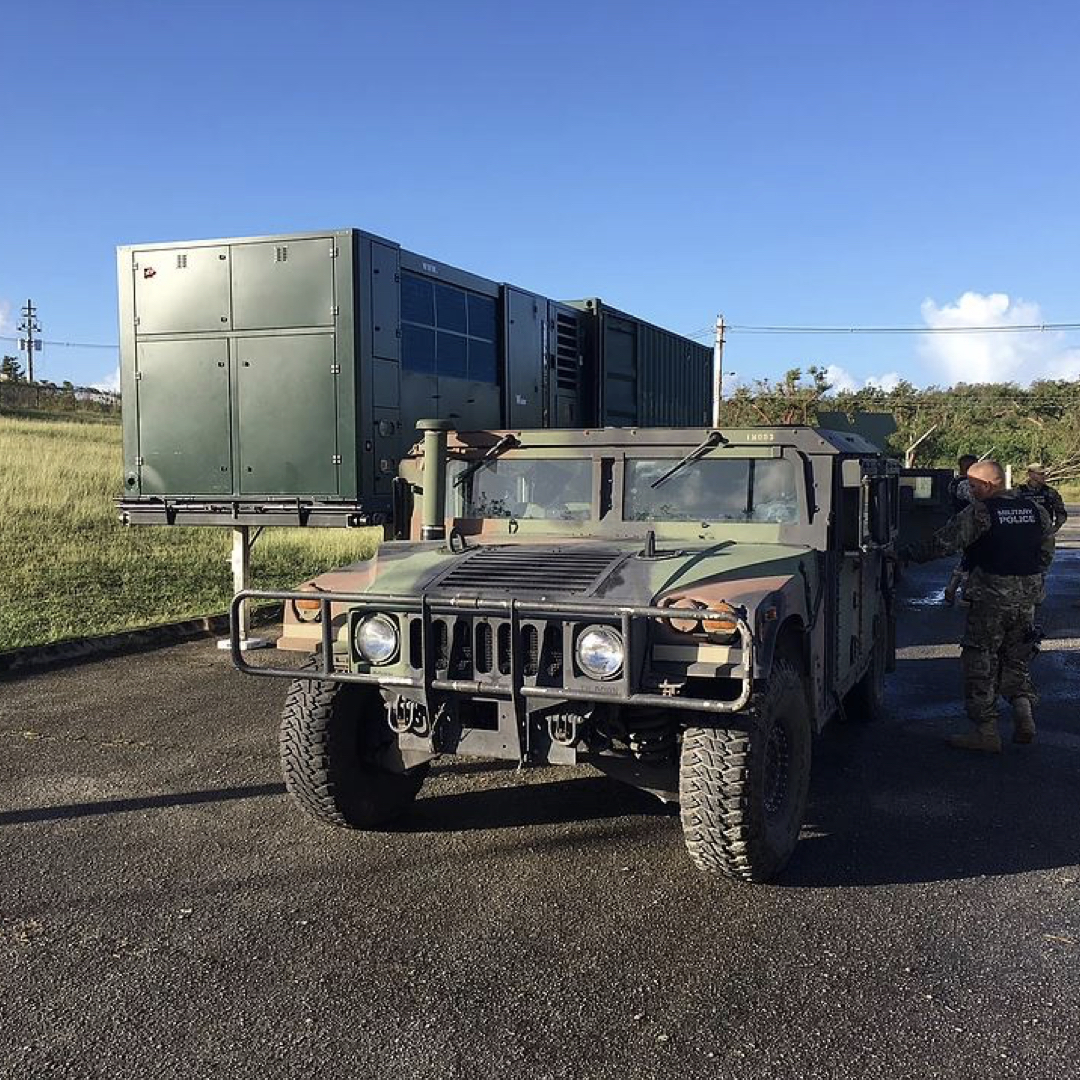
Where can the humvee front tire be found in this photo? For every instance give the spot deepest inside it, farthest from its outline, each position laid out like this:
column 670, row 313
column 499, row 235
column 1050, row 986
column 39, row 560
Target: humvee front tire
column 331, row 734
column 742, row 792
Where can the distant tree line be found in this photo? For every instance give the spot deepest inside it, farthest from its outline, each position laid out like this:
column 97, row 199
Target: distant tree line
column 1014, row 424
column 17, row 394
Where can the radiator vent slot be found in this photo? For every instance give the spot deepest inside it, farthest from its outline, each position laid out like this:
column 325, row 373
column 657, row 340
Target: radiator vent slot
column 504, row 648
column 441, row 644
column 551, row 658
column 416, row 643
column 530, row 651
column 461, row 652
column 485, row 651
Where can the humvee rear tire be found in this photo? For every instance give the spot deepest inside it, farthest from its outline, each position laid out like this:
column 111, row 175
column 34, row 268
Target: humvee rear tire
column 866, row 699
column 742, row 793
column 331, row 734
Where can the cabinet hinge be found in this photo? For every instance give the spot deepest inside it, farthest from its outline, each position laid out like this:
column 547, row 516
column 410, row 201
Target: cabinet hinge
column 334, row 309
column 140, row 461
column 138, row 376
column 336, row 459
column 335, row 369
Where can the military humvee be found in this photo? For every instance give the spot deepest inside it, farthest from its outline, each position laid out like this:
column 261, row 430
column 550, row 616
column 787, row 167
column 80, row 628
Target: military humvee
column 681, row 608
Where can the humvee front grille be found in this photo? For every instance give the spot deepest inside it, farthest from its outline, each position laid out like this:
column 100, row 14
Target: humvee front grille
column 529, row 570
column 449, row 637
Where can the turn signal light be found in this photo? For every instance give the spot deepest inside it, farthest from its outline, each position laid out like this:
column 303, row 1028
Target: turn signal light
column 308, row 610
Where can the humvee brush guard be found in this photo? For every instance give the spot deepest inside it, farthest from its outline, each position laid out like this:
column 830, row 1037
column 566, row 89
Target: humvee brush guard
column 681, row 608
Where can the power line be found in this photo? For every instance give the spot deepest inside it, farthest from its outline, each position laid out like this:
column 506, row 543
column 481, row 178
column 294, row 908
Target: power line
column 1020, row 328
column 1025, row 328
column 66, row 344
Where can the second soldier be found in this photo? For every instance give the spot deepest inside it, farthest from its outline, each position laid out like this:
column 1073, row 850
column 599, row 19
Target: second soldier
column 1008, row 542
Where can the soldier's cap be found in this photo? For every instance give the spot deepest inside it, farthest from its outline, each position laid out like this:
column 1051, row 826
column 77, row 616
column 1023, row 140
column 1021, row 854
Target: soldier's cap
column 1037, row 467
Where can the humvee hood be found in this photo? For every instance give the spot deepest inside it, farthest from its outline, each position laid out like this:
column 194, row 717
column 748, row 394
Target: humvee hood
column 616, row 571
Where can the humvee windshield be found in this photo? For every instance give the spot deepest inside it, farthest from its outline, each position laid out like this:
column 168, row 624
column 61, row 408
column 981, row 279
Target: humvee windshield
column 524, row 488
column 714, row 489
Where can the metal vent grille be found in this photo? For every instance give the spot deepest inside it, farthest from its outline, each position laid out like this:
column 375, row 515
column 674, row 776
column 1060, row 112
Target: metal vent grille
column 530, row 650
column 529, row 570
column 281, row 253
column 567, row 351
column 181, row 261
column 485, row 648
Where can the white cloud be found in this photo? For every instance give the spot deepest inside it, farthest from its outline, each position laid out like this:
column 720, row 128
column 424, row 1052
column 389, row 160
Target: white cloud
column 842, row 381
column 889, row 381
column 6, row 322
column 109, row 383
column 993, row 357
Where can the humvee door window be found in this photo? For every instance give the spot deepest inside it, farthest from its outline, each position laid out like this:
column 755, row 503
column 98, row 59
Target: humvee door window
column 713, row 489
column 524, row 489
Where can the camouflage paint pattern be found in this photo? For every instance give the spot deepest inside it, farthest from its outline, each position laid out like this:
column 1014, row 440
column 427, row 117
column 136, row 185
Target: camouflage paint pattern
column 777, row 572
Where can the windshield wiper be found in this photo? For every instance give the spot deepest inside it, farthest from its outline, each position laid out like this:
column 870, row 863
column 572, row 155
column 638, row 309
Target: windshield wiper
column 712, row 441
column 507, row 442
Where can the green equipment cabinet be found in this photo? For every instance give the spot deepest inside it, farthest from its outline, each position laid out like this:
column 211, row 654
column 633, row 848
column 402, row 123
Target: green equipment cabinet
column 279, row 379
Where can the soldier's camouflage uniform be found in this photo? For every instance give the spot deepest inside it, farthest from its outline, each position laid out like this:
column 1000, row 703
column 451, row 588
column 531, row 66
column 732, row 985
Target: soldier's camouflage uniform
column 999, row 640
column 1049, row 499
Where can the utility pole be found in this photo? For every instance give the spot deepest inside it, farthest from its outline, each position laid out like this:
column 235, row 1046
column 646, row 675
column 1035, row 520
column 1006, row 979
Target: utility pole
column 909, row 453
column 718, row 370
column 30, row 326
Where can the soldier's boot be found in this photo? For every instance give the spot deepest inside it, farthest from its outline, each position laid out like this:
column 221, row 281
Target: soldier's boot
column 1023, row 721
column 985, row 737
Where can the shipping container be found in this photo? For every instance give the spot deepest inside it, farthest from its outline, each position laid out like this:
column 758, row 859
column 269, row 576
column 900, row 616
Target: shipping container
column 280, row 378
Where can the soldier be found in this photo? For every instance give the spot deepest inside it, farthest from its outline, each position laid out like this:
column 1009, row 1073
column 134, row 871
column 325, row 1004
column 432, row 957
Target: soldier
column 959, row 490
column 1008, row 541
column 960, row 494
column 1038, row 490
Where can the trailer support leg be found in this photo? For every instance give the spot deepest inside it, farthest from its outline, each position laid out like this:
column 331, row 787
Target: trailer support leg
column 240, row 560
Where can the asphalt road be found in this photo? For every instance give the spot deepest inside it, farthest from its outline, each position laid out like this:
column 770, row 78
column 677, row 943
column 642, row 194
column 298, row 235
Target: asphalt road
column 165, row 911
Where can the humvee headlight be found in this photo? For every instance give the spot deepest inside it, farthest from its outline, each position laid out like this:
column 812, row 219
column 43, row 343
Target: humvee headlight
column 600, row 652
column 376, row 638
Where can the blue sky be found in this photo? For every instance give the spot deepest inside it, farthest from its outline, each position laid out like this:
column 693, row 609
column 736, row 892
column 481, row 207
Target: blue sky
column 829, row 163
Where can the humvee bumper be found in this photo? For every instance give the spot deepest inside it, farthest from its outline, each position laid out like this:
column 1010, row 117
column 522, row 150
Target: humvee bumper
column 526, row 655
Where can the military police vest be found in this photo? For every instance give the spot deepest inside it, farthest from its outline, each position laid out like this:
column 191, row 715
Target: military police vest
column 1012, row 546
column 1043, row 497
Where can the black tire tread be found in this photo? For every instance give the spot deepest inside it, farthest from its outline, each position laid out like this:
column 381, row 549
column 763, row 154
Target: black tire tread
column 321, row 767
column 717, row 789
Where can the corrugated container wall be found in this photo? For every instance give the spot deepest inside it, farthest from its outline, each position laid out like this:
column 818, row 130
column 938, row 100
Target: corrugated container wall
column 646, row 376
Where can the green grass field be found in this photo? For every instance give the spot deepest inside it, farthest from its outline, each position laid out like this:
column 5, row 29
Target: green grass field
column 68, row 568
